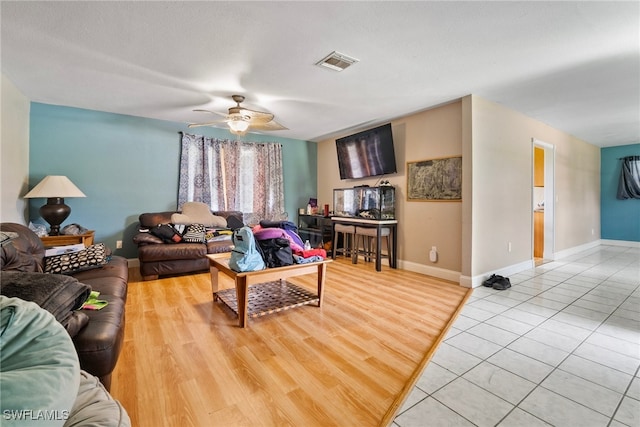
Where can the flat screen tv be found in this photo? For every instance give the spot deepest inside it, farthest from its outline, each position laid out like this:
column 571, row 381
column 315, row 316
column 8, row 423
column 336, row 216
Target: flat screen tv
column 367, row 153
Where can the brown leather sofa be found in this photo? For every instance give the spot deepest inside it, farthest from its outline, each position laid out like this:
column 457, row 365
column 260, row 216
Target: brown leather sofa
column 158, row 258
column 99, row 342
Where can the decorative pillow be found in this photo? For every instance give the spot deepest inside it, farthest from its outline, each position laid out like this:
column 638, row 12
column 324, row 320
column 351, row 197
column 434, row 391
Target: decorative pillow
column 167, row 233
column 195, row 233
column 94, row 256
column 198, row 213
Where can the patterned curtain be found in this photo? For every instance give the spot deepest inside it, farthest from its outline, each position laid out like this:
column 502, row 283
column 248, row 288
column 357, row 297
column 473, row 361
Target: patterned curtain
column 233, row 175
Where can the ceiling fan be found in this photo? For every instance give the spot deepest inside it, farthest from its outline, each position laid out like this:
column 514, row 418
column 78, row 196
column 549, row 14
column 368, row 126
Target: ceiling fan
column 240, row 119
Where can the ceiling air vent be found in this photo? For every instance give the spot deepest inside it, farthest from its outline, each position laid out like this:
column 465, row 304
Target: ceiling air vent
column 336, row 61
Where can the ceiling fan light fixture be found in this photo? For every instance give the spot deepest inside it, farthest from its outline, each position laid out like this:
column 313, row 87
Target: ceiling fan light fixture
column 240, row 119
column 238, row 126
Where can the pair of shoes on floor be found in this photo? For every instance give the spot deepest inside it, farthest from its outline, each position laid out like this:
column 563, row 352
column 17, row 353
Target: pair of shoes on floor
column 497, row 282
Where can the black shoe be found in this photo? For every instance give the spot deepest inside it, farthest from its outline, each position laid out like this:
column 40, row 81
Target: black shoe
column 502, row 284
column 491, row 280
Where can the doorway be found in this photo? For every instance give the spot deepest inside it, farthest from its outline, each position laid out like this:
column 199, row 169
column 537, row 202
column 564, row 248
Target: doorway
column 543, row 212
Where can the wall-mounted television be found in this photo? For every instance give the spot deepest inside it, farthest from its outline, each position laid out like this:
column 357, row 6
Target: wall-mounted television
column 367, row 153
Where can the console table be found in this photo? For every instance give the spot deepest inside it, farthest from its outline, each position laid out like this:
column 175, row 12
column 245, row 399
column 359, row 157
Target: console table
column 378, row 224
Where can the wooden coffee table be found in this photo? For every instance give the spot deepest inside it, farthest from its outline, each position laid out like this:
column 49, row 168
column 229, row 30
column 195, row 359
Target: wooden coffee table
column 269, row 287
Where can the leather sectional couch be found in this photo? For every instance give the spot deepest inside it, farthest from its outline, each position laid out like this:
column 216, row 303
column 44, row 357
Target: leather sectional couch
column 158, row 258
column 99, row 341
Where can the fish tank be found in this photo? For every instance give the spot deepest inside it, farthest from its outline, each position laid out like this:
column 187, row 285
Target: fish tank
column 365, row 202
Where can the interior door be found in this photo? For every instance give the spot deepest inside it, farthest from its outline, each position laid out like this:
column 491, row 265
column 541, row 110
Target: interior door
column 543, row 214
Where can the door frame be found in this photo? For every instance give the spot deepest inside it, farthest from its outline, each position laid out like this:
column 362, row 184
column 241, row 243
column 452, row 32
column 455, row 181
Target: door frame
column 549, row 197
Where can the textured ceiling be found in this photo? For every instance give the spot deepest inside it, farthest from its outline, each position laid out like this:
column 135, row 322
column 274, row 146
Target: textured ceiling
column 572, row 65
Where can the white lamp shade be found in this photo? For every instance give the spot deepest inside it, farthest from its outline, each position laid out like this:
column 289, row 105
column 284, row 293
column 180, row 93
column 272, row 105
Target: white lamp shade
column 54, row 186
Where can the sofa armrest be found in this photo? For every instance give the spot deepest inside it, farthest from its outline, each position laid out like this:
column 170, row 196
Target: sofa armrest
column 24, row 253
column 146, row 239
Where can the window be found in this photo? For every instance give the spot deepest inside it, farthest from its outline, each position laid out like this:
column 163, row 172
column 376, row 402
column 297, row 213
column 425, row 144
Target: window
column 233, row 175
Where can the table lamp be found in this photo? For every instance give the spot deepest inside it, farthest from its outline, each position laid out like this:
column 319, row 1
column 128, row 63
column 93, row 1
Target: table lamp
column 54, row 188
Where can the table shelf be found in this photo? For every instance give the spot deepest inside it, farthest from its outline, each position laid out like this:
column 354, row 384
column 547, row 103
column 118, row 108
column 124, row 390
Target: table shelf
column 68, row 239
column 268, row 298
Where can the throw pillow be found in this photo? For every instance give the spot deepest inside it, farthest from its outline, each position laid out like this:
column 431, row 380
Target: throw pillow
column 94, row 256
column 195, row 233
column 167, row 233
column 198, row 213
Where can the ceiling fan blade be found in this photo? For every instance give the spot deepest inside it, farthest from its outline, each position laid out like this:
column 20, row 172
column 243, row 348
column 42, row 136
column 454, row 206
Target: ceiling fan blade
column 254, row 113
column 195, row 125
column 257, row 116
column 271, row 125
column 211, row 112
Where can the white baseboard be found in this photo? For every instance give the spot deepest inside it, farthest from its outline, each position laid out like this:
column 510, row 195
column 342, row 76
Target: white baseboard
column 440, row 273
column 472, row 282
column 576, row 249
column 626, row 243
column 475, row 281
column 466, row 281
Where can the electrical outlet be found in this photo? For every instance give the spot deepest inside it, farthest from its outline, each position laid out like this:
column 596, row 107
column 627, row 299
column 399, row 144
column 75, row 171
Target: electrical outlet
column 118, row 244
column 433, row 254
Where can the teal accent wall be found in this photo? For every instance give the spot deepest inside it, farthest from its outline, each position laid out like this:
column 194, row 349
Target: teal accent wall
column 129, row 165
column 620, row 219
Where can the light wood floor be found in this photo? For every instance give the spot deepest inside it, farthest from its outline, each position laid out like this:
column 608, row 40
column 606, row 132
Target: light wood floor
column 351, row 362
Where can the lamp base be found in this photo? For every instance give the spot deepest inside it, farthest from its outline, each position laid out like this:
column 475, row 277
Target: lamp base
column 55, row 212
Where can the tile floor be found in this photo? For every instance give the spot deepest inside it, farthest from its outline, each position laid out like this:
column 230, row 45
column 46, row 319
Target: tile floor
column 560, row 348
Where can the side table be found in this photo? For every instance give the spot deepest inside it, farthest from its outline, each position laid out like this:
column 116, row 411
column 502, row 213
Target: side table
column 68, row 239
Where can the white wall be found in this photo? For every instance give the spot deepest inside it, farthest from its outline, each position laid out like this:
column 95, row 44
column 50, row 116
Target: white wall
column 502, row 188
column 14, row 153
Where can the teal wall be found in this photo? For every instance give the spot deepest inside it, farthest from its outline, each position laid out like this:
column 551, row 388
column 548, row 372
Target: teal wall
column 620, row 219
column 129, row 165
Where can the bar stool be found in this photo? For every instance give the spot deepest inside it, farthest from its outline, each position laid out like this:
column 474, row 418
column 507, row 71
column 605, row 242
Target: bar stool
column 368, row 235
column 348, row 232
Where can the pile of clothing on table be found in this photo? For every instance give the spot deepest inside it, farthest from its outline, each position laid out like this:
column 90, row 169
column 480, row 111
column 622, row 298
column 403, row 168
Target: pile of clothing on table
column 281, row 245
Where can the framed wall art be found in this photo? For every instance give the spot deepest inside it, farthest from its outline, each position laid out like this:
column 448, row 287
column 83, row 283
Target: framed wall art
column 435, row 180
